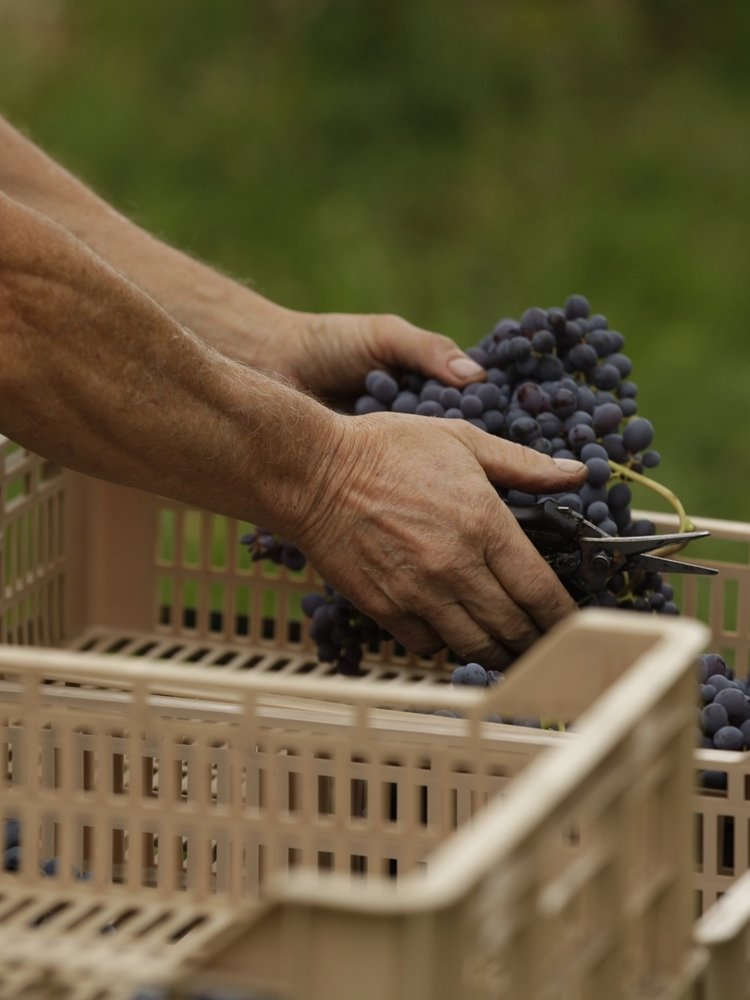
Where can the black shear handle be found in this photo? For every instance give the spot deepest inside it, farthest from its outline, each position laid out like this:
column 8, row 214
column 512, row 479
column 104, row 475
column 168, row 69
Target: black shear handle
column 545, row 518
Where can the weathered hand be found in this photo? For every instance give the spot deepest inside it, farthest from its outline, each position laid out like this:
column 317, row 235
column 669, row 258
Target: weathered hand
column 409, row 527
column 330, row 354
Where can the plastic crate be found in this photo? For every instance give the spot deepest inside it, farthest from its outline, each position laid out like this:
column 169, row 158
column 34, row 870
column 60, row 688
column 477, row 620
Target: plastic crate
column 100, row 569
column 318, row 838
column 725, row 933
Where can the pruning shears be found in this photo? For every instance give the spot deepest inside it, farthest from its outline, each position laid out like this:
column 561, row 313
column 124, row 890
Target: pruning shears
column 586, row 558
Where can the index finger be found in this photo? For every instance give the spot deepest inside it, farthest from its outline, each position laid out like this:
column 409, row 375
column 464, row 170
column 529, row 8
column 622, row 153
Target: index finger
column 526, row 576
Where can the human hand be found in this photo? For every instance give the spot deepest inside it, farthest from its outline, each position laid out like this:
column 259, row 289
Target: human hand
column 331, row 353
column 408, row 526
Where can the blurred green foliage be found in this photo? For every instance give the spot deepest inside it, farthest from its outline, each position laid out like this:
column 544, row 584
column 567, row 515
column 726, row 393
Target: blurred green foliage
column 452, row 162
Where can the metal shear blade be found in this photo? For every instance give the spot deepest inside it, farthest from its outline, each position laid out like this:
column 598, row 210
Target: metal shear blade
column 635, row 548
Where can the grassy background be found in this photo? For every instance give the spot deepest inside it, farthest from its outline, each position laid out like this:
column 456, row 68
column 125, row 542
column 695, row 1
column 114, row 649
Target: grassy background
column 452, row 162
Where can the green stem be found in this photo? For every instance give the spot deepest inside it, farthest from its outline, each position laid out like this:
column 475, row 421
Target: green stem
column 685, row 523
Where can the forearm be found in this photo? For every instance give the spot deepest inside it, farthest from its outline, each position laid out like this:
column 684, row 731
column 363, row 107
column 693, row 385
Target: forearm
column 97, row 376
column 232, row 317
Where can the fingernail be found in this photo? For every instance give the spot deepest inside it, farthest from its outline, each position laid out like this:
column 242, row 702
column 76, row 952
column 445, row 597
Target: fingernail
column 464, row 367
column 568, row 464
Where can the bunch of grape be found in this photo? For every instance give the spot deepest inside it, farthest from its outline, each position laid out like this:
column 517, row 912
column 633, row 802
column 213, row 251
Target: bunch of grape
column 262, row 544
column 340, row 631
column 724, row 715
column 556, row 381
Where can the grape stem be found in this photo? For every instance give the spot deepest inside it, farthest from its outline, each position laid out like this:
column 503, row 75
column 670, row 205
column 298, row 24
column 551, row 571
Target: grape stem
column 685, row 524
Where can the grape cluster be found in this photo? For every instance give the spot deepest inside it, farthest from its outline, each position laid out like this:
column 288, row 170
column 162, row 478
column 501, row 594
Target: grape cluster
column 262, row 544
column 340, row 631
column 724, row 713
column 557, row 381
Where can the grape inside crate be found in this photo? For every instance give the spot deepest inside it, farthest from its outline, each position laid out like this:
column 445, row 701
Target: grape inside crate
column 99, row 569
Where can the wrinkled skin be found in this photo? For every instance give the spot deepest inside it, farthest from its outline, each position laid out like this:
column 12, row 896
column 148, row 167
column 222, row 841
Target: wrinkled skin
column 409, row 526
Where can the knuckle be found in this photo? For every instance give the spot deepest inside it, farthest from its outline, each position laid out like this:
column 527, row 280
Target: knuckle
column 388, row 321
column 519, row 634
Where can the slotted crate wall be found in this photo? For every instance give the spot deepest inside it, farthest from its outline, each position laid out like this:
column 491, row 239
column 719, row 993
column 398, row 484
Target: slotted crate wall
column 201, row 803
column 102, row 569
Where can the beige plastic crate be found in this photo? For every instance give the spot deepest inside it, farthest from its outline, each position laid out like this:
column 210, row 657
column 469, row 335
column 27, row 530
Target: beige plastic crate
column 319, row 838
column 98, row 568
column 724, row 931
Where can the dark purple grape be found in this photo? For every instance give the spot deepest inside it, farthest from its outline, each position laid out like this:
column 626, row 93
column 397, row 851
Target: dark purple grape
column 615, row 447
column 431, row 391
column 598, row 322
column 519, row 348
column 577, row 418
column 599, row 471
column 406, row 402
column 518, row 498
column 607, row 418
column 524, row 429
column 471, row 405
column 715, row 664
column 627, row 390
column 543, row 341
column 497, row 377
column 728, row 738
column 494, row 421
column 573, row 501
column 638, row 434
column 582, row 357
column 382, row 386
column 619, row 496
column 735, row 702
column 597, row 511
column 478, row 355
column 550, row 424
column 622, row 363
column 449, row 396
column 532, row 398
column 505, row 328
column 708, row 693
column 713, row 718
column 534, row 319
column 489, row 394
column 580, row 435
column 368, row 404
column 472, row 674
column 593, row 450
column 564, row 402
column 430, row 408
column 293, row 559
column 605, row 376
column 570, row 335
column 577, row 307
column 601, row 341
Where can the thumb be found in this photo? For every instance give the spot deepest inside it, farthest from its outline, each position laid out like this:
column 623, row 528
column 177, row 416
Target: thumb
column 404, row 345
column 512, row 465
